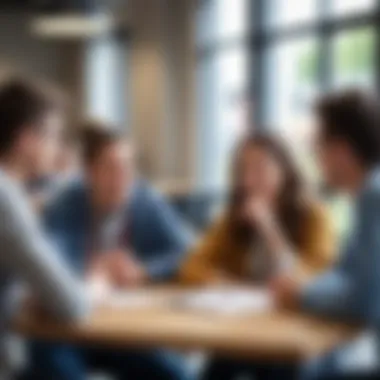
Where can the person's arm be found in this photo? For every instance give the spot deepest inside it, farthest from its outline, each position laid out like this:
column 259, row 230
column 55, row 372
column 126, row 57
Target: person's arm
column 266, row 222
column 172, row 236
column 306, row 257
column 329, row 295
column 351, row 289
column 27, row 254
column 318, row 245
column 206, row 264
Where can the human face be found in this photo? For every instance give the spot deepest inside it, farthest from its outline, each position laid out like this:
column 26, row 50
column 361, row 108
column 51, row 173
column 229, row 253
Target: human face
column 111, row 175
column 260, row 175
column 336, row 161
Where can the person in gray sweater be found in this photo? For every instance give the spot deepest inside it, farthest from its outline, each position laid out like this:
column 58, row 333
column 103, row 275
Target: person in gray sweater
column 31, row 118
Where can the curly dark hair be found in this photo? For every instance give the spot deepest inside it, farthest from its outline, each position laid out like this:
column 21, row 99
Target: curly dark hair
column 353, row 116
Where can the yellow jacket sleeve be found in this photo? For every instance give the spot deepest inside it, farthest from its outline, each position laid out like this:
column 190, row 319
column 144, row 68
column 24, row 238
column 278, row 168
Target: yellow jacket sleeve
column 206, row 263
column 318, row 245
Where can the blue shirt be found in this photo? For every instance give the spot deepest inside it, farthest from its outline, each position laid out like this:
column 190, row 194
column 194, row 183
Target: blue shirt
column 154, row 232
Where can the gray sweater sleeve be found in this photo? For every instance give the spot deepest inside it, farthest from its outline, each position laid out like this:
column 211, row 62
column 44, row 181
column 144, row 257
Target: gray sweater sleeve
column 26, row 253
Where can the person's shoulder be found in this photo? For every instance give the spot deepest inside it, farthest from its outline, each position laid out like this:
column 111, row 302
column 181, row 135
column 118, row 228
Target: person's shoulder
column 8, row 185
column 11, row 193
column 144, row 192
column 70, row 195
column 222, row 225
column 372, row 185
column 149, row 204
column 4, row 180
column 369, row 196
column 316, row 208
column 317, row 215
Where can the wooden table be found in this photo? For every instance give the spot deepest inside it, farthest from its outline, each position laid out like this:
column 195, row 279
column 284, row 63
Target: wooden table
column 275, row 335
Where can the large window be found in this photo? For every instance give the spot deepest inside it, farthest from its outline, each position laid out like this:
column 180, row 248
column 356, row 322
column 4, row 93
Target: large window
column 273, row 57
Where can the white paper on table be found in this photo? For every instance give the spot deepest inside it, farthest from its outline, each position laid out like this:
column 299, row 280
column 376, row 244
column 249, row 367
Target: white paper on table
column 223, row 301
column 132, row 299
column 228, row 301
column 97, row 290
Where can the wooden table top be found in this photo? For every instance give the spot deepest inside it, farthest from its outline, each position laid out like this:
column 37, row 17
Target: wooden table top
column 272, row 335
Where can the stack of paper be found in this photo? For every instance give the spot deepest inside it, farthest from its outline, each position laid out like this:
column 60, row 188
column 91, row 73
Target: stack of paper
column 228, row 301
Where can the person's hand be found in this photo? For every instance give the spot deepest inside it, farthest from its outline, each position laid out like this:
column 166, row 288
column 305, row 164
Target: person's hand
column 98, row 281
column 97, row 268
column 259, row 215
column 287, row 291
column 124, row 270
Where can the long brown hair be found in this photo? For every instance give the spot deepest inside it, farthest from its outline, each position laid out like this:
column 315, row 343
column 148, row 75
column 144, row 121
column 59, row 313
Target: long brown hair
column 292, row 202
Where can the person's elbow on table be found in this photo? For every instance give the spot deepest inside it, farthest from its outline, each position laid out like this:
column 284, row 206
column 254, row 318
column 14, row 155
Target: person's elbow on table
column 75, row 309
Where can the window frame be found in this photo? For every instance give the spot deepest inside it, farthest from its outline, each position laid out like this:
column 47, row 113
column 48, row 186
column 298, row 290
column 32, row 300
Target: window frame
column 324, row 29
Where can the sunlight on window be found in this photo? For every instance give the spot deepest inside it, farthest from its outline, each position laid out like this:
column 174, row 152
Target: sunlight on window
column 291, row 80
column 283, row 13
column 231, row 66
column 351, row 7
column 222, row 78
column 222, row 82
column 104, row 81
column 354, row 58
column 221, row 19
column 232, row 18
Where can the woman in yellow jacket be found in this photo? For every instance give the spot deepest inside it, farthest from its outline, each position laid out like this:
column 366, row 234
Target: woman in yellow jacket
column 271, row 226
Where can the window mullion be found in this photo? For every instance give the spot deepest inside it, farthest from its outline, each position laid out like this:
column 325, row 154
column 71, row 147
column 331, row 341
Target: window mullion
column 257, row 46
column 324, row 32
column 377, row 47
